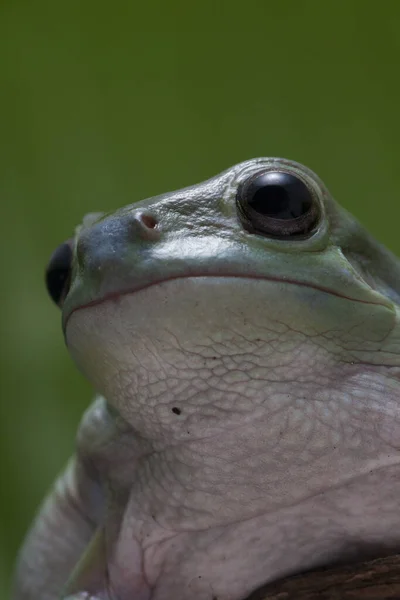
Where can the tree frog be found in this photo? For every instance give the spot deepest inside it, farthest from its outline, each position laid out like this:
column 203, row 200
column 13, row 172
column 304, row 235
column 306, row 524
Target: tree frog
column 243, row 339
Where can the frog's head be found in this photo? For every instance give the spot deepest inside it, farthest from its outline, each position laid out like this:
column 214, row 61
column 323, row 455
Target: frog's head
column 236, row 296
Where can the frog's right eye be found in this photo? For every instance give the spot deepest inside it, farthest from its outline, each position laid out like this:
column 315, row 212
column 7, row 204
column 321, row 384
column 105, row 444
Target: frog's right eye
column 58, row 273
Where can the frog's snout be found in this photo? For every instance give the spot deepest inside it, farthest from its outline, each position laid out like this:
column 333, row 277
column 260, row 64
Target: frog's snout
column 95, row 243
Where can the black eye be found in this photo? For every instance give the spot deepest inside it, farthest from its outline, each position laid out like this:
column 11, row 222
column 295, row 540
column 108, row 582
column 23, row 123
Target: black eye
column 278, row 204
column 58, row 273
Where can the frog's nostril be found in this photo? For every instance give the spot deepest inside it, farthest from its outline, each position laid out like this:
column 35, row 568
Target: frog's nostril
column 148, row 220
column 146, row 225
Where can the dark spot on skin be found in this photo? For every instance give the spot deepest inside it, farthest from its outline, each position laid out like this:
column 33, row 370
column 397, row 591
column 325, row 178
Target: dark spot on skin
column 176, row 410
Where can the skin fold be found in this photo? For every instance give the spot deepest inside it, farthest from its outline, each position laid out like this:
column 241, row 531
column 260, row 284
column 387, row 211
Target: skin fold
column 246, row 424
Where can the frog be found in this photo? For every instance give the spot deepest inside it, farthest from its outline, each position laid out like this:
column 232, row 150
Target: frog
column 242, row 337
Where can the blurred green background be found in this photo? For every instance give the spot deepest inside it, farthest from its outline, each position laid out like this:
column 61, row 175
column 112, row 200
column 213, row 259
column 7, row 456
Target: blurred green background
column 106, row 103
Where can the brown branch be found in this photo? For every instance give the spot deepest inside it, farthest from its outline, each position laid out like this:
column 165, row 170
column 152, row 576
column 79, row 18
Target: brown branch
column 377, row 579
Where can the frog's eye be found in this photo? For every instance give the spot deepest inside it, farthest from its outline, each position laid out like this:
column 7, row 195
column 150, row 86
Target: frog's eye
column 277, row 204
column 58, row 273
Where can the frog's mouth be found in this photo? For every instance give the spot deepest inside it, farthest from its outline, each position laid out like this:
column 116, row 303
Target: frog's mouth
column 367, row 295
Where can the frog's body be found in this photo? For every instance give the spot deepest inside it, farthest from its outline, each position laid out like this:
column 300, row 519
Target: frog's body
column 251, row 369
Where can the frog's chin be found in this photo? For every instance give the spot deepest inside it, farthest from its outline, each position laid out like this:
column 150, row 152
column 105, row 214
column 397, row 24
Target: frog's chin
column 219, row 316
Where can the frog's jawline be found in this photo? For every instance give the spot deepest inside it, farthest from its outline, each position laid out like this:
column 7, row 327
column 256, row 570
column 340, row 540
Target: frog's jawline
column 117, row 295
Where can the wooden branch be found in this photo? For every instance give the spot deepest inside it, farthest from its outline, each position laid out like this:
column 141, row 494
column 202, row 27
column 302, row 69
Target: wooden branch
column 377, row 579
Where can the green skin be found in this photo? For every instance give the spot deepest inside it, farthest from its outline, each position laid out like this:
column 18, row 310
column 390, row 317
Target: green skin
column 282, row 357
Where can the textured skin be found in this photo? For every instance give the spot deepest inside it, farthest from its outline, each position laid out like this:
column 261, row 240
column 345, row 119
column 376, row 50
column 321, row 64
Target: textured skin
column 251, row 428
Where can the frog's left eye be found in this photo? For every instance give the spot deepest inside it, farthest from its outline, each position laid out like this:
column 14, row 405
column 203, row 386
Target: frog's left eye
column 58, row 273
column 277, row 204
